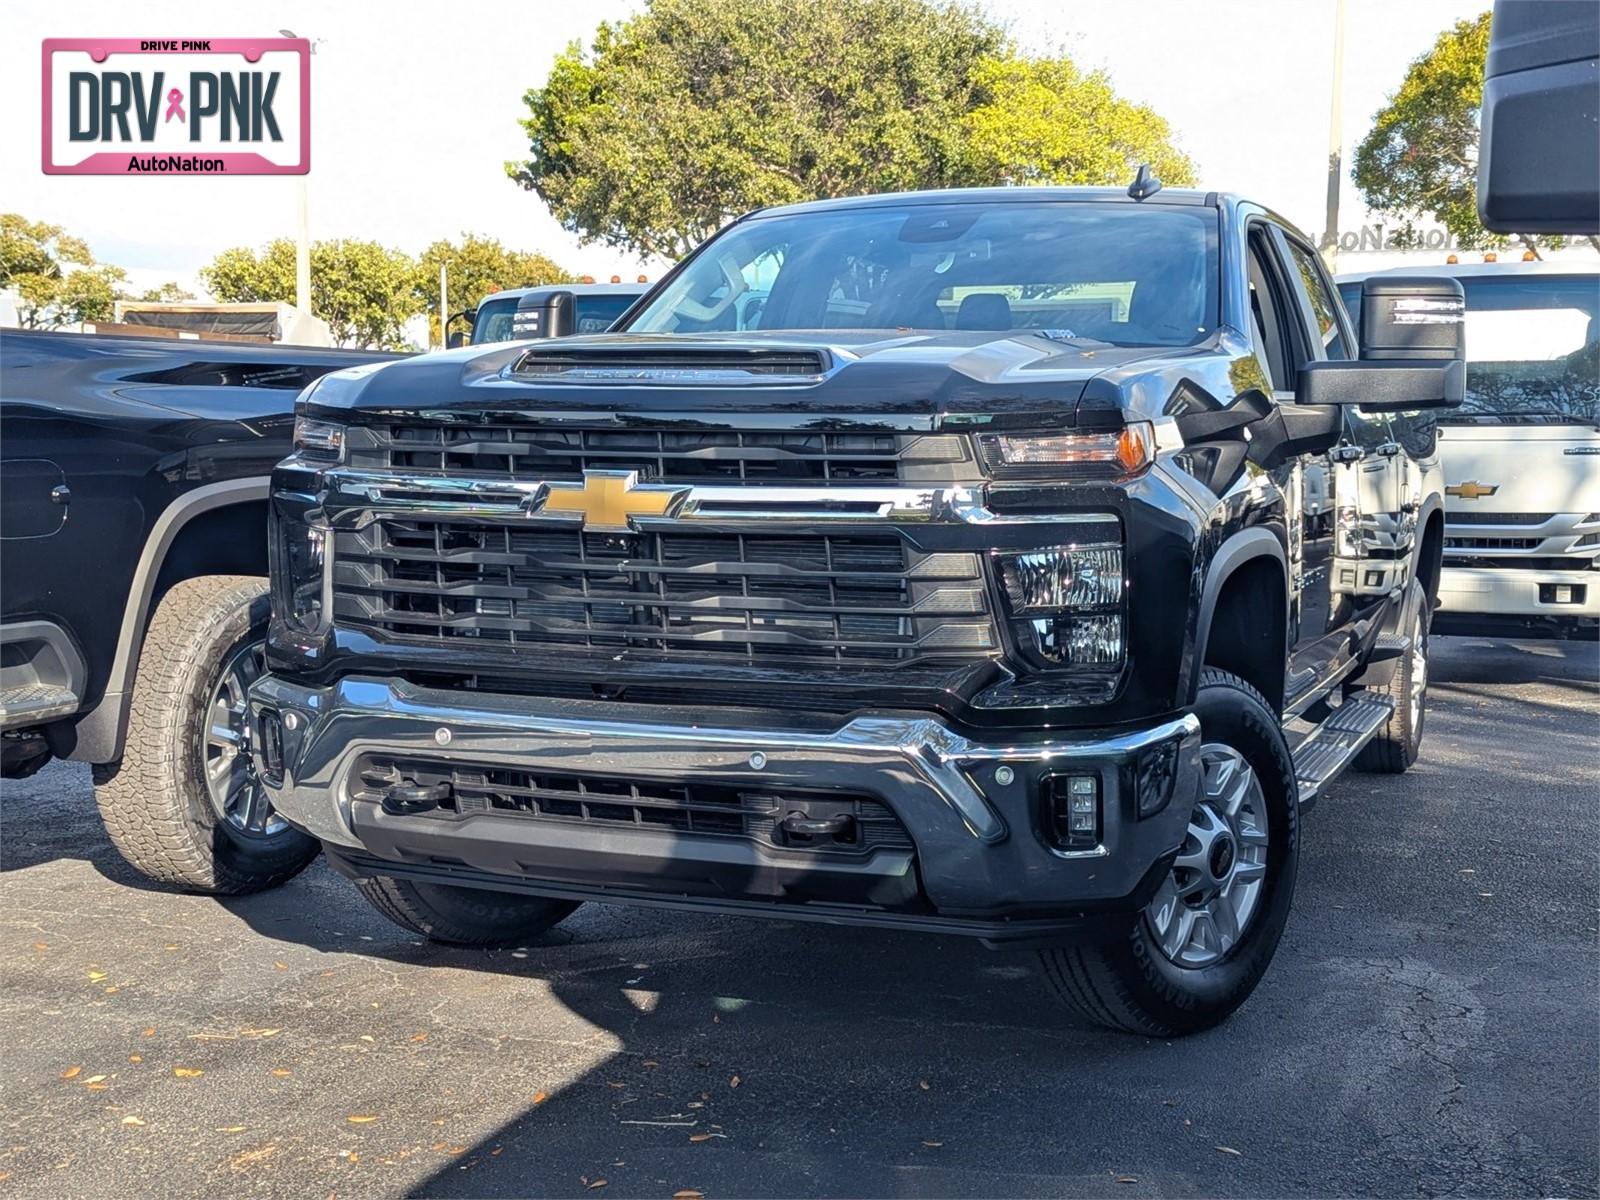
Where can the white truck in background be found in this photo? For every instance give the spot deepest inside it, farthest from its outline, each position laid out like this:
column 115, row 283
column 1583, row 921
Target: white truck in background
column 1521, row 457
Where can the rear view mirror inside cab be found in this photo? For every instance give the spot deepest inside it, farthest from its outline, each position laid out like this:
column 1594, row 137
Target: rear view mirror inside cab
column 1413, row 350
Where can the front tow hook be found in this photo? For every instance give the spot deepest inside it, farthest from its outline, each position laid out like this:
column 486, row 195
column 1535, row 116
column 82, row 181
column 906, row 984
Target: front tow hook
column 408, row 799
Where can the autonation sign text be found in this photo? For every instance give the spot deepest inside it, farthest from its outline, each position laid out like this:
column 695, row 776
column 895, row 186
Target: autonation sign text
column 203, row 106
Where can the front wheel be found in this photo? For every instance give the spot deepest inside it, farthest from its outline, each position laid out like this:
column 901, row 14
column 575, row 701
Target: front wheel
column 1199, row 948
column 461, row 916
column 183, row 804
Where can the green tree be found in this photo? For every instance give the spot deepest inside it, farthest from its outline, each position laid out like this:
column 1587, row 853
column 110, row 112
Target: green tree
column 1420, row 160
column 363, row 290
column 54, row 275
column 477, row 266
column 167, row 293
column 1045, row 121
column 695, row 111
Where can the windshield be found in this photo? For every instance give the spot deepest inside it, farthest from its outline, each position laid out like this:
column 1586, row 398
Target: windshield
column 1118, row 273
column 493, row 322
column 1533, row 348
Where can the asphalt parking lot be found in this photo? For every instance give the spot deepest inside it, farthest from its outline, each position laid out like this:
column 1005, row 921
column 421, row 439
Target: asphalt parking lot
column 1431, row 1025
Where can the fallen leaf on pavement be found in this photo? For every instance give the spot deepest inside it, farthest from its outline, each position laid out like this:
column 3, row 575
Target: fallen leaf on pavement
column 1230, row 1150
column 94, row 1079
column 135, row 1058
column 280, row 1071
column 688, row 1194
column 699, row 1137
column 132, row 1121
column 71, row 1072
column 419, row 1037
column 360, row 1118
column 735, row 1082
column 598, row 1183
column 924, row 1084
column 539, row 1098
column 96, row 976
column 241, row 1161
column 98, row 1087
column 933, row 1145
column 147, row 1033
column 278, row 966
column 1126, row 1179
column 232, row 1129
column 187, row 1072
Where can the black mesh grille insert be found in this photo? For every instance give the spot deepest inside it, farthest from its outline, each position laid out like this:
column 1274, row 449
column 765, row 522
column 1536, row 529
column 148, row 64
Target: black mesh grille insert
column 861, row 824
column 742, row 598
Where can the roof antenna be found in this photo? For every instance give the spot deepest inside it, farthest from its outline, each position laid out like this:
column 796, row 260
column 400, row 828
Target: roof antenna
column 1145, row 184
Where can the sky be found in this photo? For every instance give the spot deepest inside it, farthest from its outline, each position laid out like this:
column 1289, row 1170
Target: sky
column 413, row 119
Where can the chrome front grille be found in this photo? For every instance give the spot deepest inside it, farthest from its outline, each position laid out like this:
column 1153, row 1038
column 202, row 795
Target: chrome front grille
column 825, row 599
column 687, row 456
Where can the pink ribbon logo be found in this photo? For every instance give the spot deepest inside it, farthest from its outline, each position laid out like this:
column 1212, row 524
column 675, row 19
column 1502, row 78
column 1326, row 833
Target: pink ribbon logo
column 175, row 105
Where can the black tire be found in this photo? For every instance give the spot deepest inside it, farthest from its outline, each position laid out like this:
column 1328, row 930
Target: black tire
column 154, row 801
column 1129, row 983
column 1396, row 746
column 459, row 916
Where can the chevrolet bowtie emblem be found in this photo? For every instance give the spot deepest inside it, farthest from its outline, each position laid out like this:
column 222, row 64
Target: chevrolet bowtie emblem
column 608, row 500
column 1471, row 489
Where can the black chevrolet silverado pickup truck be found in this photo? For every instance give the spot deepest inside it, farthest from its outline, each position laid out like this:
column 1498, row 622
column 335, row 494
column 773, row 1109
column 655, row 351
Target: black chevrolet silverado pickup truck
column 930, row 561
column 133, row 597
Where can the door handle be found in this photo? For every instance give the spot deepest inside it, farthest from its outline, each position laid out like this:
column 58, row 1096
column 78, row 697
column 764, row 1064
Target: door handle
column 1389, row 449
column 1345, row 454
column 61, row 494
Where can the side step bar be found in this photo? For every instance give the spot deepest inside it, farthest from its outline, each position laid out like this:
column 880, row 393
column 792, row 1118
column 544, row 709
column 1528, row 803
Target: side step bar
column 34, row 703
column 1329, row 748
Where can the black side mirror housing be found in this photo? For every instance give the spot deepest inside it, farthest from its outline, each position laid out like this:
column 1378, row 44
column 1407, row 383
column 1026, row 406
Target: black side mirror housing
column 456, row 340
column 1413, row 350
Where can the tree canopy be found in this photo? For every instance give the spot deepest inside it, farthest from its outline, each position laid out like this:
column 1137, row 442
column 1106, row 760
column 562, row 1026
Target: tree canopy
column 477, row 266
column 1420, row 159
column 695, row 111
column 56, row 278
column 364, row 291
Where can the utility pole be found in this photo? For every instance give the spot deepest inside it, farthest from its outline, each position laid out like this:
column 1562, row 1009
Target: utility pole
column 302, row 250
column 444, row 306
column 1330, row 222
column 302, row 242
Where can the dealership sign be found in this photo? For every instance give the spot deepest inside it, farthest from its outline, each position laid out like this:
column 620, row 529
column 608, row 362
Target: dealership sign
column 197, row 106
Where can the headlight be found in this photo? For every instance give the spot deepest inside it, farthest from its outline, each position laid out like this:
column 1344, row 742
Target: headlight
column 319, row 441
column 1063, row 577
column 299, row 569
column 1066, row 605
column 1071, row 457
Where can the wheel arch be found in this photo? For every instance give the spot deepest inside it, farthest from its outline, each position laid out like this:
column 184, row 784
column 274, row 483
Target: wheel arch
column 1253, row 562
column 197, row 534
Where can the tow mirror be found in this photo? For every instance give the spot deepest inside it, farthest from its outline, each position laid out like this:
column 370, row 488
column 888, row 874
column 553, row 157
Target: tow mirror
column 1413, row 350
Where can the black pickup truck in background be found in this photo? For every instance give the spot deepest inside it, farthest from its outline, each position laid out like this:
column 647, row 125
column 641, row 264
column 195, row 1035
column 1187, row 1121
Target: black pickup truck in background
column 133, row 595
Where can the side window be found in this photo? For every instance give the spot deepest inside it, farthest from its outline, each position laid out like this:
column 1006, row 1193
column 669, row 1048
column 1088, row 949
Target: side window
column 1324, row 309
column 1269, row 312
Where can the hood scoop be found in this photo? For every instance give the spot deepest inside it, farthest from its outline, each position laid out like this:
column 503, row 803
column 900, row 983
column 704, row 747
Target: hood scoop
column 648, row 365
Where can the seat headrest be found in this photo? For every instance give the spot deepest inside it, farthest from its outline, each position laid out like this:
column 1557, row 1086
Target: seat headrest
column 984, row 310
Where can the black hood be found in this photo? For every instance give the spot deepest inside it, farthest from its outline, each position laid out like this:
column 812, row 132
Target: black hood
column 906, row 380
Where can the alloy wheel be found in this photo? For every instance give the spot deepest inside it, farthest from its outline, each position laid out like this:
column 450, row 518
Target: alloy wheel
column 1214, row 889
column 236, row 792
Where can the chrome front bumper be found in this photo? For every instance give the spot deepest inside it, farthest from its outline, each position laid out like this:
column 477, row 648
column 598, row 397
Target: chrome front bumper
column 979, row 842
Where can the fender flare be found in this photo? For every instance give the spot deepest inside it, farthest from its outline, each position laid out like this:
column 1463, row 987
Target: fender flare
column 97, row 735
column 1432, row 504
column 1242, row 547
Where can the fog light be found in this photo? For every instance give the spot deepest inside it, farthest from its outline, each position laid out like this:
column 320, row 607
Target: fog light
column 1072, row 806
